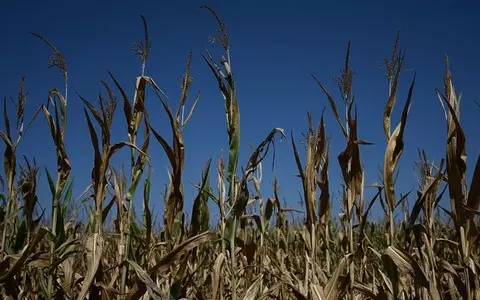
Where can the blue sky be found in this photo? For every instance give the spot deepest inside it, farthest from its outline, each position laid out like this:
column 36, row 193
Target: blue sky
column 275, row 47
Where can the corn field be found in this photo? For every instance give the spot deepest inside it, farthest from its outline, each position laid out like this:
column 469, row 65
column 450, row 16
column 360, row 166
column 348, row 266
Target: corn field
column 254, row 251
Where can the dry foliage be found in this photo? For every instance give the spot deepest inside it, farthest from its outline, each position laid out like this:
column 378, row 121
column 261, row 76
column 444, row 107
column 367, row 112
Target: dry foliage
column 254, row 252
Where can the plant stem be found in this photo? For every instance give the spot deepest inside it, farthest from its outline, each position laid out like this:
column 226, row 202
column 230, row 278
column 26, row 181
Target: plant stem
column 55, row 205
column 233, row 262
column 392, row 229
column 10, row 201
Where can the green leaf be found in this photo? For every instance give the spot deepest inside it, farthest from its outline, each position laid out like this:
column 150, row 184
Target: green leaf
column 175, row 290
column 146, row 210
column 230, row 229
column 51, row 183
column 61, row 236
column 68, row 195
column 20, row 236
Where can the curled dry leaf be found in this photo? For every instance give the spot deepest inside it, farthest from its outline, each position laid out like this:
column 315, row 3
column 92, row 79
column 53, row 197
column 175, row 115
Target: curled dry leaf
column 94, row 248
column 394, row 151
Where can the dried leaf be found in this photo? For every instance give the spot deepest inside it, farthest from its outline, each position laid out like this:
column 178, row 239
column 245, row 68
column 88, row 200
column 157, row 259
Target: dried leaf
column 394, row 151
column 473, row 201
column 200, row 205
column 153, row 290
column 94, row 247
column 252, row 292
column 168, row 260
column 333, row 106
column 406, row 262
column 217, row 273
column 330, row 289
column 27, row 250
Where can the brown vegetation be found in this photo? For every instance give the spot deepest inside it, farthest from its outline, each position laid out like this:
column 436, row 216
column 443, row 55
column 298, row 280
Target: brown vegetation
column 245, row 256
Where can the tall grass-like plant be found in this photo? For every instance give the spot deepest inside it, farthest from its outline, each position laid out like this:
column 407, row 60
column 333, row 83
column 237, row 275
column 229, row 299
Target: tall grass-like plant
column 395, row 144
column 176, row 156
column 57, row 123
column 11, row 206
column 349, row 160
column 134, row 114
column 464, row 199
column 224, row 76
column 316, row 162
column 238, row 194
column 102, row 155
column 20, row 231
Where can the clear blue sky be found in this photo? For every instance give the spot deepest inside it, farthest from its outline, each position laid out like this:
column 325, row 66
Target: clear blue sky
column 275, row 47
